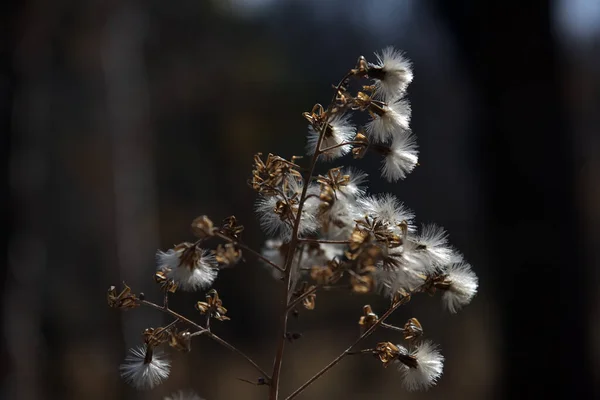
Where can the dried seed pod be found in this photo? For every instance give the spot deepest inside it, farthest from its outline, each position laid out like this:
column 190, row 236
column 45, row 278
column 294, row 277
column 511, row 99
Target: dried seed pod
column 181, row 341
column 388, row 352
column 202, row 227
column 368, row 319
column 166, row 284
column 124, row 300
column 231, row 228
column 228, row 255
column 412, row 329
column 213, row 306
column 155, row 337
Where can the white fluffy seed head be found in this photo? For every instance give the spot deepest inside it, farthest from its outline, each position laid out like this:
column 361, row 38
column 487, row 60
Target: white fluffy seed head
column 342, row 131
column 355, row 188
column 394, row 75
column 463, row 286
column 430, row 364
column 386, row 208
column 181, row 395
column 144, row 374
column 432, row 246
column 198, row 276
column 402, row 157
column 395, row 120
column 405, row 277
column 273, row 225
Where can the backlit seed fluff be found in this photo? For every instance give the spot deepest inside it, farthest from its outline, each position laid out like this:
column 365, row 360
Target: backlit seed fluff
column 387, row 208
column 198, row 276
column 430, row 364
column 181, row 395
column 272, row 223
column 341, row 131
column 402, row 158
column 433, row 247
column 463, row 286
column 392, row 73
column 395, row 119
column 141, row 373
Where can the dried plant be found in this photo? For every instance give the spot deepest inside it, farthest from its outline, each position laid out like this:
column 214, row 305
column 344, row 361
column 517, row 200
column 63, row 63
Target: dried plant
column 325, row 232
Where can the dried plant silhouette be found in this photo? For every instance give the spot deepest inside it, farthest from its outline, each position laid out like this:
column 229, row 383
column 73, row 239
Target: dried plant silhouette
column 325, row 232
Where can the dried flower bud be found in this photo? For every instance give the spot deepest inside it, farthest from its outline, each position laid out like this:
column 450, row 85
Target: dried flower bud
column 181, row 341
column 124, row 300
column 155, row 337
column 228, row 255
column 412, row 329
column 388, row 352
column 368, row 319
column 360, row 146
column 202, row 227
column 213, row 306
column 231, row 228
column 166, row 284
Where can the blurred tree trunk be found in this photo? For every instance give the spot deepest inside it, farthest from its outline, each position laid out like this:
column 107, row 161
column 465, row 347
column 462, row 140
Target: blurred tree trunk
column 528, row 172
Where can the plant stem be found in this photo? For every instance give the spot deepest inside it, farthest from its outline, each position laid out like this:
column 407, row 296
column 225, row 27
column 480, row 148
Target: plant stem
column 206, row 332
column 324, row 241
column 274, row 390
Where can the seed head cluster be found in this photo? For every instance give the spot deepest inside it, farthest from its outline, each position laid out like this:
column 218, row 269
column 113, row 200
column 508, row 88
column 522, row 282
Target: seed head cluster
column 325, row 231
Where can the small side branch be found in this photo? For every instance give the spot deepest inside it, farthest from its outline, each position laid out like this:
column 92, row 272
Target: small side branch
column 346, row 352
column 249, row 250
column 205, row 332
column 324, row 241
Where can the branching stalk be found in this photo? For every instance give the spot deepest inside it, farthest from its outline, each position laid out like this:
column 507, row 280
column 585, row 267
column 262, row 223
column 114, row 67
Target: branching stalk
column 274, row 392
column 204, row 331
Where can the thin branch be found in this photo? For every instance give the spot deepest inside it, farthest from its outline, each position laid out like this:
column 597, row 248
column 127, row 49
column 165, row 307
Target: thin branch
column 392, row 327
column 172, row 313
column 346, row 352
column 206, row 332
column 335, row 146
column 166, row 300
column 364, row 351
column 308, row 240
column 249, row 250
column 238, row 352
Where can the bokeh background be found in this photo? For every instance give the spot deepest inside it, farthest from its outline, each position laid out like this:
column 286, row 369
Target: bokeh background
column 124, row 120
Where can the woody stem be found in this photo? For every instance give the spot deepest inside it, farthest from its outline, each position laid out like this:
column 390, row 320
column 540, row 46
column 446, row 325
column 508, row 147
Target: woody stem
column 274, row 392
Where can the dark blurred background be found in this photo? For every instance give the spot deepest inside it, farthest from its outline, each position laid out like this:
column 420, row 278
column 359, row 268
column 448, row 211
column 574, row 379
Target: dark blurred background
column 124, row 120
